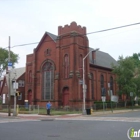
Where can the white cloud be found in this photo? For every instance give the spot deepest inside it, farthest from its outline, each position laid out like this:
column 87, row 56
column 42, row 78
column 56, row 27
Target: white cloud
column 26, row 21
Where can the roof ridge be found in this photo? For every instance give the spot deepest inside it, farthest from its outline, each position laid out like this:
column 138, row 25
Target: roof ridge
column 53, row 36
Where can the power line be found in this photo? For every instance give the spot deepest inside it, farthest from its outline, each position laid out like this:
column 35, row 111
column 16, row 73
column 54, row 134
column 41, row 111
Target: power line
column 27, row 44
column 114, row 28
column 105, row 30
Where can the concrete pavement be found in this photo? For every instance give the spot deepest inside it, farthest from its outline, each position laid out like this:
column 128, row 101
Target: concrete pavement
column 41, row 117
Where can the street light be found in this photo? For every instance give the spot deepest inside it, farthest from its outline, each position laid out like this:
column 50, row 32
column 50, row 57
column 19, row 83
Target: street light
column 84, row 86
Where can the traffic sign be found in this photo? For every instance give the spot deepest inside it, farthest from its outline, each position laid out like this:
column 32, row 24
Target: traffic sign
column 10, row 65
column 114, row 98
column 110, row 92
column 103, row 98
column 15, row 85
column 131, row 94
column 81, row 82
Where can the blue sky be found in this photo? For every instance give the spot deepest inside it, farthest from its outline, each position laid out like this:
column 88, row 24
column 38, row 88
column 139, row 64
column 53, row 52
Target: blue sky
column 27, row 20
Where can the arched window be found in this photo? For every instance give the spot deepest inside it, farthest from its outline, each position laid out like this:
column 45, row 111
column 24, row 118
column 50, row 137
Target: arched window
column 66, row 66
column 48, row 80
column 81, row 65
column 30, row 77
column 102, row 84
column 92, row 85
column 111, row 83
column 102, row 81
column 81, row 74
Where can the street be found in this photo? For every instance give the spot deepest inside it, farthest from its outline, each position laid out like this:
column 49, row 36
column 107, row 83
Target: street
column 107, row 127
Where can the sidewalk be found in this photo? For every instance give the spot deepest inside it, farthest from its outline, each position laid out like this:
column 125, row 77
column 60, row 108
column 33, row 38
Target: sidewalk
column 41, row 117
column 98, row 113
column 38, row 117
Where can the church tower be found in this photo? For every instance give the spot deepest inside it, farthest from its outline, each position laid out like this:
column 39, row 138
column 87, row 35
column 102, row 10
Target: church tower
column 72, row 46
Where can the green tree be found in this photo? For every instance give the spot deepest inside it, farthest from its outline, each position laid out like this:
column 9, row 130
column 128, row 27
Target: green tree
column 124, row 75
column 136, row 58
column 137, row 85
column 4, row 58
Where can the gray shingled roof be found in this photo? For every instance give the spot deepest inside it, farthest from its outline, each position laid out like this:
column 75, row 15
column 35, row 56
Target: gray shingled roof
column 102, row 59
column 19, row 72
column 54, row 37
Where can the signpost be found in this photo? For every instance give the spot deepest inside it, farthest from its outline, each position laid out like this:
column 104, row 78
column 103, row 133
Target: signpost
column 103, row 100
column 110, row 94
column 15, row 86
column 10, row 66
column 3, row 99
column 131, row 95
column 81, row 82
column 114, row 98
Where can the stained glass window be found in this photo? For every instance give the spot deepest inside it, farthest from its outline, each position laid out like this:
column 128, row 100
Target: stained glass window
column 111, row 83
column 48, row 80
column 66, row 66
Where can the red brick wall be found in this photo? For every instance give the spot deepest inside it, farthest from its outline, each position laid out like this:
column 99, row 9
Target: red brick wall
column 21, row 89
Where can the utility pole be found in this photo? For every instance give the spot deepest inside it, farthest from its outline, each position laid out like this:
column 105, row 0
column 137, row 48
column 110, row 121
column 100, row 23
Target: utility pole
column 9, row 93
column 15, row 87
column 84, row 85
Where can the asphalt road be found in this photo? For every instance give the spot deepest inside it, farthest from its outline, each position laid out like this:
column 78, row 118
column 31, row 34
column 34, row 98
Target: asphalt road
column 87, row 128
column 131, row 114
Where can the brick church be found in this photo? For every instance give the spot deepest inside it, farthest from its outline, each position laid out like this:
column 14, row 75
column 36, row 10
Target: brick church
column 54, row 71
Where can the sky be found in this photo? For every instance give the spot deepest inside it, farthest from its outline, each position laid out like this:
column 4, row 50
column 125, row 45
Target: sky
column 26, row 21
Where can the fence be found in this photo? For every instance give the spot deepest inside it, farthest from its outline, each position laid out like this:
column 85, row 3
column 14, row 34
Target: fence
column 34, row 109
column 98, row 106
column 115, row 106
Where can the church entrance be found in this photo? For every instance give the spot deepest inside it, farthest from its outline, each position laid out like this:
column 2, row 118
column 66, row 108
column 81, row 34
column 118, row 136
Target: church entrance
column 65, row 96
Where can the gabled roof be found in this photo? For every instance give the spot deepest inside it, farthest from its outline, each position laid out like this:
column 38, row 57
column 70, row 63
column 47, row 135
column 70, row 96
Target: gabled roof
column 54, row 37
column 102, row 59
column 14, row 74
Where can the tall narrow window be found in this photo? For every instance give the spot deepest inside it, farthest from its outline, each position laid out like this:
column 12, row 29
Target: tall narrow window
column 81, row 65
column 102, row 83
column 66, row 66
column 81, row 74
column 30, row 76
column 48, row 80
column 92, row 85
column 111, row 83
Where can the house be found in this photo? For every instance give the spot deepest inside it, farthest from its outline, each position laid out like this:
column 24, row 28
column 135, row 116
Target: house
column 54, row 71
column 16, row 75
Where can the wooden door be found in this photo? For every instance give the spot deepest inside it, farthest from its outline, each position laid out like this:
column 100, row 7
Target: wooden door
column 66, row 97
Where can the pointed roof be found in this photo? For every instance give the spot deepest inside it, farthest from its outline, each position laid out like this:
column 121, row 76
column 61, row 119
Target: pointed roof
column 14, row 74
column 52, row 36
